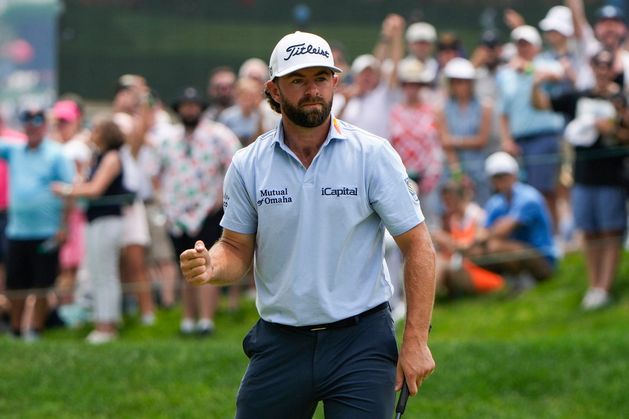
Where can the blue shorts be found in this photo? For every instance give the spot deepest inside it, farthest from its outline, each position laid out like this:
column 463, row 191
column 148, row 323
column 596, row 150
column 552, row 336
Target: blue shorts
column 351, row 369
column 541, row 161
column 599, row 208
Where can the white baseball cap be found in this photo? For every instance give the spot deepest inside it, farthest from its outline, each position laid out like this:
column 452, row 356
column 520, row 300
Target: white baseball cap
column 300, row 50
column 558, row 18
column 501, row 163
column 411, row 70
column 362, row 62
column 421, row 31
column 527, row 33
column 459, row 68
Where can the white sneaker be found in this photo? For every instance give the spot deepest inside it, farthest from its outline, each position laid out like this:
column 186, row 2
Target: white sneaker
column 148, row 319
column 186, row 327
column 31, row 336
column 595, row 298
column 205, row 327
column 97, row 337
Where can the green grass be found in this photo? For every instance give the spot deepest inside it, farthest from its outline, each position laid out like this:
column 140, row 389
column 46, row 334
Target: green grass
column 534, row 356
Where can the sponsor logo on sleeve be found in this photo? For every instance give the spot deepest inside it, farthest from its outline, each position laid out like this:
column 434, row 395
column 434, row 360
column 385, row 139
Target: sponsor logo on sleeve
column 411, row 189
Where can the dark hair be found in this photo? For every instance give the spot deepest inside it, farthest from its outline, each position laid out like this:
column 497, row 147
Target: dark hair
column 274, row 105
column 221, row 69
column 111, row 135
column 603, row 56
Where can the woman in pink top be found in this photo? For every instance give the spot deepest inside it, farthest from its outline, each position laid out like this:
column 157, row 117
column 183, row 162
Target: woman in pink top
column 414, row 135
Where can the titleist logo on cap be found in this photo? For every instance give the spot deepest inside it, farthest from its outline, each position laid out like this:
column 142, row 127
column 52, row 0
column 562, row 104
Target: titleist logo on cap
column 301, row 49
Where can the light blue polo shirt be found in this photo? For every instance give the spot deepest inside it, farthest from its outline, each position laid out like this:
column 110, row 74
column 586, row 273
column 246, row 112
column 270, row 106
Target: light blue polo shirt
column 34, row 211
column 319, row 253
column 515, row 101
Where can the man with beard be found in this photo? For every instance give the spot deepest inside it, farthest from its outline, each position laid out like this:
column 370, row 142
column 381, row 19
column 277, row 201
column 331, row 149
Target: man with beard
column 193, row 163
column 311, row 200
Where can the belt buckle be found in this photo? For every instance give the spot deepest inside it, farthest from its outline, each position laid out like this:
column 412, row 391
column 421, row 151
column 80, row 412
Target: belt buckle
column 316, row 329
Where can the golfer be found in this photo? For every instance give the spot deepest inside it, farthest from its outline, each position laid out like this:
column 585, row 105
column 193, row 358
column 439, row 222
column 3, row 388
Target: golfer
column 311, row 200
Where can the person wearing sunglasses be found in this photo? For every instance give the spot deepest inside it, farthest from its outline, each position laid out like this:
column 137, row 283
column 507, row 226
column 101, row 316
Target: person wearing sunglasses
column 37, row 219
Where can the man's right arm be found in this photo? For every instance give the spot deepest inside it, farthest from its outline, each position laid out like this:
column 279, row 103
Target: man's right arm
column 226, row 263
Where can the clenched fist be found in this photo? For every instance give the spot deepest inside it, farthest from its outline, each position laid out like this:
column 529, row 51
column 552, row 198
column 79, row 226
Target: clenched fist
column 195, row 264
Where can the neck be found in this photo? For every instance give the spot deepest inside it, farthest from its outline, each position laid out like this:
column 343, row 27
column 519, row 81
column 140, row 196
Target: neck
column 305, row 142
column 34, row 143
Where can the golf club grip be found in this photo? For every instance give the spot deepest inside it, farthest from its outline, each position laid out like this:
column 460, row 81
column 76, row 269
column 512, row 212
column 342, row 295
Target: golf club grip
column 401, row 403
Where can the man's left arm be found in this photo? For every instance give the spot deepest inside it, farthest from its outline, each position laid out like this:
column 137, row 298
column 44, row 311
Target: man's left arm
column 415, row 362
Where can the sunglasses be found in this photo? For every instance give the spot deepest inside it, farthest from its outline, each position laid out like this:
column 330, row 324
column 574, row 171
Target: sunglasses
column 36, row 119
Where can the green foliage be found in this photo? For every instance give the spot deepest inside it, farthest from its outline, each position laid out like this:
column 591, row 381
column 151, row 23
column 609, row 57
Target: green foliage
column 536, row 355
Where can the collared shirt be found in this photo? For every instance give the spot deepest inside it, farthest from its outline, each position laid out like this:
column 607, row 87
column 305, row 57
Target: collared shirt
column 319, row 230
column 515, row 102
column 528, row 207
column 34, row 211
column 192, row 172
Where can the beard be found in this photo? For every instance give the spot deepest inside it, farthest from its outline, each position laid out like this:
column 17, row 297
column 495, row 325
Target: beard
column 190, row 122
column 307, row 118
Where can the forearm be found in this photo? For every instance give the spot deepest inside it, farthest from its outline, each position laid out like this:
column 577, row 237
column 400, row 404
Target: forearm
column 229, row 263
column 419, row 283
column 539, row 98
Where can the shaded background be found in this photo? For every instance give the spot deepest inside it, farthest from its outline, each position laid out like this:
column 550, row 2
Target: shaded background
column 175, row 43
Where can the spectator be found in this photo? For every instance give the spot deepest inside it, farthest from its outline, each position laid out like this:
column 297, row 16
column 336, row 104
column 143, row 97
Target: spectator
column 610, row 31
column 414, row 136
column 193, row 165
column 105, row 189
column 373, row 93
column 7, row 135
column 529, row 133
column 258, row 71
column 420, row 41
column 68, row 131
column 487, row 59
column 134, row 123
column 244, row 118
column 448, row 47
column 517, row 239
column 462, row 219
column 464, row 126
column 220, row 92
column 600, row 133
column 37, row 219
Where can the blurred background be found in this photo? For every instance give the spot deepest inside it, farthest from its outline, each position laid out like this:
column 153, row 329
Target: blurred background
column 49, row 47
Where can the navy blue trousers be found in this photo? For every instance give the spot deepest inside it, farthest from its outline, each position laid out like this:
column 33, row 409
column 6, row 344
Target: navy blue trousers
column 350, row 369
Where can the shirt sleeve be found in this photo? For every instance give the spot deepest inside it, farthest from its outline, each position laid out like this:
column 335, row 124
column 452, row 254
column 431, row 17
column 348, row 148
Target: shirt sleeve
column 240, row 213
column 391, row 193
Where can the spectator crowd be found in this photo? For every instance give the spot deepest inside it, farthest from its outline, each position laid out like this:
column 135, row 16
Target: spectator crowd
column 511, row 149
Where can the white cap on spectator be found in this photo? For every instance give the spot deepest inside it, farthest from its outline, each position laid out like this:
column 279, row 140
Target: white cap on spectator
column 558, row 18
column 501, row 163
column 363, row 62
column 411, row 70
column 527, row 33
column 421, row 31
column 459, row 68
column 300, row 50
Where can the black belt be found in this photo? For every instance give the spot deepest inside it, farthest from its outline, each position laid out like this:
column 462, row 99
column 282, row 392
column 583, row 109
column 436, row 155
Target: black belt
column 350, row 321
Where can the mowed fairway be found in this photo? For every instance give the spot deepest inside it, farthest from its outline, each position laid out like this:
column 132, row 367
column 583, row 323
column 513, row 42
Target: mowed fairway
column 533, row 356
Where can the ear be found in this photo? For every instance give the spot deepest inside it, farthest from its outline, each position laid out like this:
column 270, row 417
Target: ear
column 273, row 89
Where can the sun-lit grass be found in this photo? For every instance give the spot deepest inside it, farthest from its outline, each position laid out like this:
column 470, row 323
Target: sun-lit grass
column 533, row 356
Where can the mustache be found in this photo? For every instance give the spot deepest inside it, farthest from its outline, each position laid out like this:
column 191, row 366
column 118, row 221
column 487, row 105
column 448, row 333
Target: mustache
column 311, row 101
